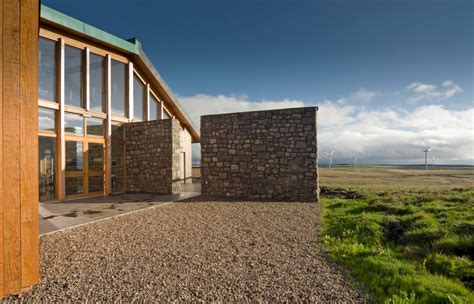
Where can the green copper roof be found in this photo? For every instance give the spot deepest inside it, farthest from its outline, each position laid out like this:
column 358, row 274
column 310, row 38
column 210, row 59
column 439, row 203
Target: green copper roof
column 56, row 17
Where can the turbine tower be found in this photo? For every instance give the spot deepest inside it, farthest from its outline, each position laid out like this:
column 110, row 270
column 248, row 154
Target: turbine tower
column 330, row 157
column 355, row 162
column 426, row 151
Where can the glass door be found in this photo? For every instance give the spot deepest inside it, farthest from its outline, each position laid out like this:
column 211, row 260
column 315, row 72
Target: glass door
column 95, row 168
column 85, row 155
column 75, row 169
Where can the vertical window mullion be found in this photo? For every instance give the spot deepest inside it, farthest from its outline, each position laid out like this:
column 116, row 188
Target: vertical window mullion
column 86, row 69
column 130, row 91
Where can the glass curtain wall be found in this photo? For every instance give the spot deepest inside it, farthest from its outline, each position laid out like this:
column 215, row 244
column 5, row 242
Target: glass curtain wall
column 47, row 69
column 139, row 99
column 84, row 129
column 73, row 79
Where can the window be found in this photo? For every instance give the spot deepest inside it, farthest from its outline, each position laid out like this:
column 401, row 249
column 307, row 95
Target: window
column 154, row 107
column 73, row 123
column 47, row 171
column 73, row 80
column 166, row 115
column 97, row 75
column 95, row 126
column 118, row 85
column 74, row 185
column 47, row 69
column 139, row 95
column 46, row 119
column 96, row 157
column 74, row 156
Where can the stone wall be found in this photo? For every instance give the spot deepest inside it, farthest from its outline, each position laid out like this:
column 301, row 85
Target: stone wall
column 270, row 155
column 152, row 156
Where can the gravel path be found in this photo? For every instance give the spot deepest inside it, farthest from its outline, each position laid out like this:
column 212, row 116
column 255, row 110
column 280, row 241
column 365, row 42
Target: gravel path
column 199, row 251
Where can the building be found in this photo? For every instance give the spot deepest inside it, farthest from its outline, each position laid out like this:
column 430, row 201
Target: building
column 90, row 83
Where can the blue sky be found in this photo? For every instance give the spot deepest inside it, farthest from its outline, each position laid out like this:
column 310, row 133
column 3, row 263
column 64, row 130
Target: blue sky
column 398, row 63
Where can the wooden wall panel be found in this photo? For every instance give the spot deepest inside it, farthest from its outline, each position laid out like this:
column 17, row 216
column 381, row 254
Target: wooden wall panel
column 11, row 146
column 2, row 265
column 19, row 252
column 29, row 143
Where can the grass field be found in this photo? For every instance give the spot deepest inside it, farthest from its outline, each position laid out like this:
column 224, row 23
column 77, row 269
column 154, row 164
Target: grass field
column 406, row 234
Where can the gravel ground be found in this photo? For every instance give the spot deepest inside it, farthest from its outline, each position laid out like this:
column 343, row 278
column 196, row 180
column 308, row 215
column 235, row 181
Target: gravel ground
column 194, row 251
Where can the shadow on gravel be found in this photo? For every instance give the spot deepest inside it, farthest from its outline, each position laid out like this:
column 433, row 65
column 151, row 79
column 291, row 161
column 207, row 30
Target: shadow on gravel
column 212, row 199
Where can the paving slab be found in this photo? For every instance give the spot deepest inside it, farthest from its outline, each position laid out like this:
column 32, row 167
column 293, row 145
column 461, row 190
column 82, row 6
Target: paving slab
column 57, row 216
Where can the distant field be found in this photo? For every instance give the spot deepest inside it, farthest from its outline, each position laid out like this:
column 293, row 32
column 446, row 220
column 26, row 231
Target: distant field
column 406, row 234
column 399, row 178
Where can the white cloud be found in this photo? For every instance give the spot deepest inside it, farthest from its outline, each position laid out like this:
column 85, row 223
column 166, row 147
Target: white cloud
column 397, row 136
column 421, row 91
column 386, row 135
column 363, row 95
column 360, row 96
column 202, row 104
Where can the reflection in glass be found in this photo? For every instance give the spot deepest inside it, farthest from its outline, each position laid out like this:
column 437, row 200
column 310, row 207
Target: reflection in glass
column 73, row 123
column 74, row 156
column 154, row 107
column 95, row 126
column 166, row 115
column 118, row 85
column 97, row 74
column 118, row 157
column 47, row 171
column 74, row 185
column 73, row 79
column 46, row 119
column 47, row 69
column 139, row 93
column 96, row 183
column 96, row 157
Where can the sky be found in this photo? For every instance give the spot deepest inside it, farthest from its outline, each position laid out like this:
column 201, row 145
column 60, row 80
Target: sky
column 389, row 77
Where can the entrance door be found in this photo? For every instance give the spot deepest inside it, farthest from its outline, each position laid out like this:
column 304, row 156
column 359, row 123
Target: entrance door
column 84, row 168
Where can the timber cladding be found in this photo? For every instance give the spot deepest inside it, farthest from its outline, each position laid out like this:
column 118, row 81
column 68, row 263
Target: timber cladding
column 19, row 254
column 262, row 155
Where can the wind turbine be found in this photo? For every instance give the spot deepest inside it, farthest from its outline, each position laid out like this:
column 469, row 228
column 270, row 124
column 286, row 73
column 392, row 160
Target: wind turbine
column 433, row 162
column 426, row 151
column 330, row 157
column 355, row 161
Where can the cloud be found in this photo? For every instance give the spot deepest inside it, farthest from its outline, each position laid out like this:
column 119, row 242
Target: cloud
column 398, row 136
column 421, row 91
column 202, row 104
column 360, row 96
column 387, row 135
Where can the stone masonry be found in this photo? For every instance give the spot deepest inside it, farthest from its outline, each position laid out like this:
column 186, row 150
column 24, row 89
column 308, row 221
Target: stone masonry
column 269, row 155
column 152, row 156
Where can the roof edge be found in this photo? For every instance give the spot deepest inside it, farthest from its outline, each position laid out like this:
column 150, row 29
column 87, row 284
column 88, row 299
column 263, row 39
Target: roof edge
column 76, row 25
column 132, row 46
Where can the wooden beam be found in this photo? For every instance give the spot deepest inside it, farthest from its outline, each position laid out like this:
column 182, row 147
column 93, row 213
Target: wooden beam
column 86, row 70
column 29, row 142
column 147, row 103
column 61, row 154
column 108, row 129
column 11, row 146
column 130, row 91
column 2, row 265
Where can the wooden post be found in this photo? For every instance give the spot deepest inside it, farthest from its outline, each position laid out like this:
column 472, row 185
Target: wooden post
column 19, row 241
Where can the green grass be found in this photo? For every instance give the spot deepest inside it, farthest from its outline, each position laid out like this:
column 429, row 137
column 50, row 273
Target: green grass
column 405, row 246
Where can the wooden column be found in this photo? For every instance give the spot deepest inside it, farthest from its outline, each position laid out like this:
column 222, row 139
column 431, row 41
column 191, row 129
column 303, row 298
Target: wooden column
column 108, row 141
column 19, row 253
